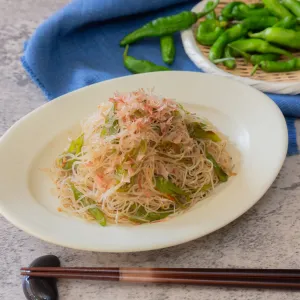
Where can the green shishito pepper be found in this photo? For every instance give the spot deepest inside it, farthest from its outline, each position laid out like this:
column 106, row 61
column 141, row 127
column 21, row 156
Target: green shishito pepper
column 212, row 15
column 227, row 10
column 196, row 130
column 167, row 48
column 287, row 22
column 280, row 36
column 218, row 170
column 293, row 6
column 276, row 8
column 166, row 25
column 74, row 148
column 257, row 45
column 280, row 66
column 240, row 10
column 169, row 188
column 140, row 66
column 257, row 58
column 243, row 11
column 254, row 59
column 95, row 212
column 238, row 31
column 230, row 64
column 208, row 31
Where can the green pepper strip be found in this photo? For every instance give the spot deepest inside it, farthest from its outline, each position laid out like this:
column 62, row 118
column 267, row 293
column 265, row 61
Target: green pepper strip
column 169, row 188
column 218, row 170
column 167, row 48
column 166, row 25
column 95, row 212
column 120, row 171
column 280, row 36
column 112, row 124
column 141, row 216
column 196, row 131
column 140, row 66
column 74, row 148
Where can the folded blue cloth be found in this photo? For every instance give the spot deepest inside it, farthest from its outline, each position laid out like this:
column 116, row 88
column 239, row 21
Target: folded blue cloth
column 79, row 45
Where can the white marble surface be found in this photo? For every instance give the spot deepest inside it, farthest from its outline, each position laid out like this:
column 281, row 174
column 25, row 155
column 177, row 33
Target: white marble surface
column 267, row 236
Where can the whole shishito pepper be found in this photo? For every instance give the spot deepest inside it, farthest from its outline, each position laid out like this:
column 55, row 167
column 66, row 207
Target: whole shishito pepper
column 276, row 8
column 212, row 15
column 226, row 12
column 140, row 66
column 166, row 25
column 239, row 10
column 293, row 6
column 254, row 59
column 167, row 48
column 238, row 31
column 287, row 22
column 257, row 45
column 280, row 36
column 208, row 31
column 243, row 11
column 280, row 66
column 258, row 58
column 231, row 34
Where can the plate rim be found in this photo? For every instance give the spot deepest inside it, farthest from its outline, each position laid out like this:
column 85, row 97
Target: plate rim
column 233, row 217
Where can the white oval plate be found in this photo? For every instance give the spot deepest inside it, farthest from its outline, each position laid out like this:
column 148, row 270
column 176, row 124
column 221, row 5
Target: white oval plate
column 252, row 122
column 196, row 56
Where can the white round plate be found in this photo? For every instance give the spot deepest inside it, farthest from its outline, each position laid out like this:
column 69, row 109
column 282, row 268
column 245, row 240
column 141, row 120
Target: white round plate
column 252, row 122
column 197, row 57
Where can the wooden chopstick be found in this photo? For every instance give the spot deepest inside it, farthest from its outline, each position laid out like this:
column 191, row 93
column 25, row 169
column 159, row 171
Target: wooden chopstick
column 259, row 278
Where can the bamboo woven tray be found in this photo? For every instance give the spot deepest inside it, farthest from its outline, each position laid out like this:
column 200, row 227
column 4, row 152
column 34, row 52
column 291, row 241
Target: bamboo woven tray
column 281, row 83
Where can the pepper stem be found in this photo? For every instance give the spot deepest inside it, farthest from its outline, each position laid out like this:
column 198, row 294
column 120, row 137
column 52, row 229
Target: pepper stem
column 126, row 51
column 243, row 53
column 217, row 61
column 254, row 70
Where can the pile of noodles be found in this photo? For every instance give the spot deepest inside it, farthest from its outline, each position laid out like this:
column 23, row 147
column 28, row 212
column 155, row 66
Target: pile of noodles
column 127, row 144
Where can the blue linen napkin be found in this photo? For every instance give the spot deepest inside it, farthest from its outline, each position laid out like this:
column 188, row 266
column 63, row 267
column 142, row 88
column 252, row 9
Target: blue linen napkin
column 79, row 46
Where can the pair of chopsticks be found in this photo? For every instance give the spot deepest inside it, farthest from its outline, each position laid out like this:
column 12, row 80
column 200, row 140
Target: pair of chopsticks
column 256, row 278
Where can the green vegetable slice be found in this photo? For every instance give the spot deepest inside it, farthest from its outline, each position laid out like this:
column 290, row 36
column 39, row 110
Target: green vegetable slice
column 112, row 124
column 169, row 188
column 196, row 131
column 74, row 148
column 95, row 212
column 141, row 216
column 218, row 170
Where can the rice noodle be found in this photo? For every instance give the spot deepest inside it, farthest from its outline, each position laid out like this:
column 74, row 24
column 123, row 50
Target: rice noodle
column 117, row 170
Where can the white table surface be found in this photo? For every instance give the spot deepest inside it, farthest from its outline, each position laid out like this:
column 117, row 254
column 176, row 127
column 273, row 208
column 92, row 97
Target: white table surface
column 266, row 236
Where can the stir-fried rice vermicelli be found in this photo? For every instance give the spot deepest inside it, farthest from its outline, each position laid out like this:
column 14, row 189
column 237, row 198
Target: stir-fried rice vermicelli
column 140, row 158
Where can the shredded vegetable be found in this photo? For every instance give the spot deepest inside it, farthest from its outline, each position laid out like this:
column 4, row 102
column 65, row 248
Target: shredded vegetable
column 140, row 159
